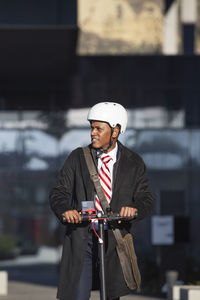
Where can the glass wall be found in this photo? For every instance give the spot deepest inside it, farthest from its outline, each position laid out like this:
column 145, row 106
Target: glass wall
column 31, row 156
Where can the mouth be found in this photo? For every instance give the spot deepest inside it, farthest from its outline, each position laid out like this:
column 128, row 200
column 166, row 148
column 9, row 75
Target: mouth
column 94, row 140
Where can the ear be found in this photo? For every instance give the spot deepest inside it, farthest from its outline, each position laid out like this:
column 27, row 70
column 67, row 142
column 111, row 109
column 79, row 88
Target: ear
column 115, row 132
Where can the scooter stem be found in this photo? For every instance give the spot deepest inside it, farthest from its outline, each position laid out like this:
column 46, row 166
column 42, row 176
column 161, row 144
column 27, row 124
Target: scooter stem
column 102, row 260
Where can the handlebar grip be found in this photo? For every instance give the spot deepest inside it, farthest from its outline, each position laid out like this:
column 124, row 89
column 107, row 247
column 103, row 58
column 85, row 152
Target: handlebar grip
column 84, row 218
column 119, row 218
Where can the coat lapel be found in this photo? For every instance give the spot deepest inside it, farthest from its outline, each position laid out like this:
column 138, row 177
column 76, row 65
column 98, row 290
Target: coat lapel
column 121, row 169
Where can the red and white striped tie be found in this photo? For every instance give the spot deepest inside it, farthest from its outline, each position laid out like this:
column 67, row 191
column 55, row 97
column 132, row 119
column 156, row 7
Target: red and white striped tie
column 105, row 180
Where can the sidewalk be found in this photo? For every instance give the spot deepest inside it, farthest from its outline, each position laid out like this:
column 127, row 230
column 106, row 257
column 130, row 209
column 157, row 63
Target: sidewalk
column 26, row 291
column 34, row 277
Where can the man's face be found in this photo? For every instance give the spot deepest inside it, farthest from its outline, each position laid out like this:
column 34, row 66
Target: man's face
column 100, row 134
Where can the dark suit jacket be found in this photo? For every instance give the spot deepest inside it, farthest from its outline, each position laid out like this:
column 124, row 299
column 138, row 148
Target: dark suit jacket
column 130, row 188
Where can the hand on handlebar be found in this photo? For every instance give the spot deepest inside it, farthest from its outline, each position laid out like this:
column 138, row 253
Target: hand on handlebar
column 127, row 211
column 72, row 216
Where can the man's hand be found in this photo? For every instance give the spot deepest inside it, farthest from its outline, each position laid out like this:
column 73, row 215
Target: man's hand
column 127, row 211
column 72, row 216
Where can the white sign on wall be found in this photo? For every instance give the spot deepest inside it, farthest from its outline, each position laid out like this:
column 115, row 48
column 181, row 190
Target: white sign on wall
column 162, row 230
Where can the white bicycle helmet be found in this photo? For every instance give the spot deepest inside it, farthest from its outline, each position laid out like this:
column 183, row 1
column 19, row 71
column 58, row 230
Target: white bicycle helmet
column 110, row 112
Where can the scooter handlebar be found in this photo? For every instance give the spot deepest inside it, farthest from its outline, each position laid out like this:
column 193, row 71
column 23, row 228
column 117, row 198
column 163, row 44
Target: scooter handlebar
column 109, row 218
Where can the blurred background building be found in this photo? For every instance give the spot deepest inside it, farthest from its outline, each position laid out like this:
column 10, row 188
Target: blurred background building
column 58, row 58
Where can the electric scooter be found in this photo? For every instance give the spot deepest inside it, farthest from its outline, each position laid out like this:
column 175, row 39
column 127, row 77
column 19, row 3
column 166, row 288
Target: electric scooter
column 92, row 216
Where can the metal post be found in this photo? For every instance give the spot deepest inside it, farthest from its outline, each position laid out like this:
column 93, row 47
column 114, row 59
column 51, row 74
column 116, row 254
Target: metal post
column 188, row 19
column 102, row 259
column 170, row 30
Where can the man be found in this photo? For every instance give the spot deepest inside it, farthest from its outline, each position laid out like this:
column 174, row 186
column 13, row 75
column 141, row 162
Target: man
column 125, row 185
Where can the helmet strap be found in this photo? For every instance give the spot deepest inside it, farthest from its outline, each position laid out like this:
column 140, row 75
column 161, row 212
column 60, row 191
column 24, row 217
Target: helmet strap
column 110, row 143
